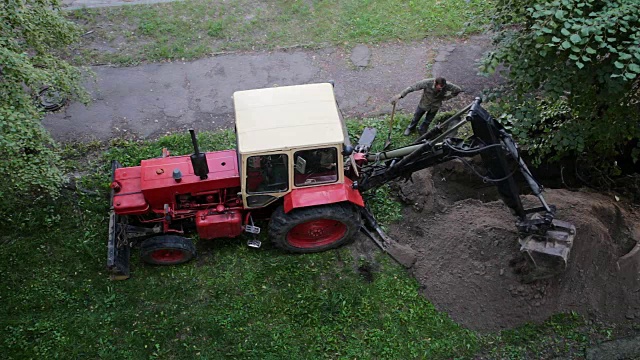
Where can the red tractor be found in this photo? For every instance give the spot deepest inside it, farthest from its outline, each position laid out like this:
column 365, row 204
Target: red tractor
column 295, row 167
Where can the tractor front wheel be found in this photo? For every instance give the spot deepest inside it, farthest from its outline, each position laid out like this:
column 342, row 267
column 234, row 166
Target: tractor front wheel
column 314, row 229
column 167, row 250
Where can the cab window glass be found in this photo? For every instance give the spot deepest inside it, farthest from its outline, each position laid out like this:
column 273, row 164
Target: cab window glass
column 317, row 166
column 267, row 173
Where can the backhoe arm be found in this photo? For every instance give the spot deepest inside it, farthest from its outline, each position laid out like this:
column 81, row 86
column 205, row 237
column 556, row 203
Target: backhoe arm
column 546, row 242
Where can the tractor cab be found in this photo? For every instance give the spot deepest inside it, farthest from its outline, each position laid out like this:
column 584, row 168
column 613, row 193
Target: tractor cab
column 289, row 138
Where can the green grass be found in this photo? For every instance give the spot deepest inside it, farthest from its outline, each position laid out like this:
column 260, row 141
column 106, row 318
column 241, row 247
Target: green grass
column 232, row 302
column 196, row 28
column 563, row 336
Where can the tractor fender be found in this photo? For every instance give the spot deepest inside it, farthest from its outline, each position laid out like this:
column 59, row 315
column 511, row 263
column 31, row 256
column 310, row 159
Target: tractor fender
column 322, row 195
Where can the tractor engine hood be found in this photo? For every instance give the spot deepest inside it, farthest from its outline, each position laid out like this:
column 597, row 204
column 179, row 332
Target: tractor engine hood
column 157, row 181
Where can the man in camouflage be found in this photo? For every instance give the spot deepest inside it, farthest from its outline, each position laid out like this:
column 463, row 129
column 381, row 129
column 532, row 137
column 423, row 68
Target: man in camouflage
column 435, row 91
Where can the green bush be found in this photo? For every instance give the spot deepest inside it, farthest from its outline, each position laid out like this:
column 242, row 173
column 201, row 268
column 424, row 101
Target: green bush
column 30, row 33
column 573, row 74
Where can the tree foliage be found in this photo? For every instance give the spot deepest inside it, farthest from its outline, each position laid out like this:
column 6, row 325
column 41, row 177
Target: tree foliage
column 31, row 32
column 573, row 70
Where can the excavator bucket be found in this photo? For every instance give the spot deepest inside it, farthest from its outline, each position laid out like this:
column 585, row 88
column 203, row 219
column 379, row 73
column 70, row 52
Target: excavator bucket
column 547, row 254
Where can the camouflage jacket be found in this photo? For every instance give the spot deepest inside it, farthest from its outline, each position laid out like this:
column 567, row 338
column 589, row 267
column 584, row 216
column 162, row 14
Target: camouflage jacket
column 431, row 101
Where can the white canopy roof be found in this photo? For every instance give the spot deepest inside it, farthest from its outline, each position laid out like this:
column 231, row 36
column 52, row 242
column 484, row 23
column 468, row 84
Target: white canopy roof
column 287, row 117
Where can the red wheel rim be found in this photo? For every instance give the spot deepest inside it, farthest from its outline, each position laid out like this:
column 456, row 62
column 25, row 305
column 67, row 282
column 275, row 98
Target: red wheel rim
column 316, row 233
column 168, row 255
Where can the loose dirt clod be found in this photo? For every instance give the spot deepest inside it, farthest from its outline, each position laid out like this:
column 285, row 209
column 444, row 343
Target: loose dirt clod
column 468, row 250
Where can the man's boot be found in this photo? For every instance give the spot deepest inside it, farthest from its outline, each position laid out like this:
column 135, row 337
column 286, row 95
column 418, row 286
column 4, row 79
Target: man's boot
column 416, row 118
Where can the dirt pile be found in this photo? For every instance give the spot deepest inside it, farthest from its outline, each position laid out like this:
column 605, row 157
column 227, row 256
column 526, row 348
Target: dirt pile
column 465, row 239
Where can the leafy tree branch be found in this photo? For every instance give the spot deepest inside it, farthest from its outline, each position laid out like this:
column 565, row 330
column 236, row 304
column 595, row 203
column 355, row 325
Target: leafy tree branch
column 573, row 70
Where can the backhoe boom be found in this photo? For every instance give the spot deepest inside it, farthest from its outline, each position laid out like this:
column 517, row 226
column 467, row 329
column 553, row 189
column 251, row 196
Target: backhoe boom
column 546, row 242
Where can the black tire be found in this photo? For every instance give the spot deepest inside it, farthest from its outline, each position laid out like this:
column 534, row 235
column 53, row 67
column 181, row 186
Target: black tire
column 314, row 229
column 167, row 250
column 50, row 99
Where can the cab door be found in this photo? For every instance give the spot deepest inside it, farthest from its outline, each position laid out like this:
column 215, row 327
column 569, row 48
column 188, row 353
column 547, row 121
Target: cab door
column 266, row 178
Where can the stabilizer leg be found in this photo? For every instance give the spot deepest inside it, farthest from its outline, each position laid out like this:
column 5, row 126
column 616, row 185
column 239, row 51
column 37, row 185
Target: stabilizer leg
column 403, row 254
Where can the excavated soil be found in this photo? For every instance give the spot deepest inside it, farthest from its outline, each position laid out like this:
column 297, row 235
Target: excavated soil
column 466, row 241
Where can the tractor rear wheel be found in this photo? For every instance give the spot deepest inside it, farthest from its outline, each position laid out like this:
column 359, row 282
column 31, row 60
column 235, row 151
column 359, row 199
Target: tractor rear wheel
column 167, row 250
column 314, row 229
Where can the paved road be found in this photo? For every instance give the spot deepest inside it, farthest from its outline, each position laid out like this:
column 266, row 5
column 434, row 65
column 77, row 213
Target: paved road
column 79, row 4
column 151, row 100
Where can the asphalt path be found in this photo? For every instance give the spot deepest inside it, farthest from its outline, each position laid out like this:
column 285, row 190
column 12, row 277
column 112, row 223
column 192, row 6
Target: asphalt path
column 150, row 100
